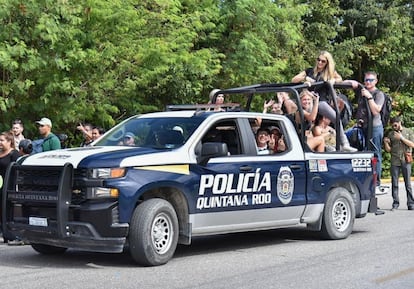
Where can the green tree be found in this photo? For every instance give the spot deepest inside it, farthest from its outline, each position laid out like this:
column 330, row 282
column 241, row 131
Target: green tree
column 258, row 38
column 101, row 61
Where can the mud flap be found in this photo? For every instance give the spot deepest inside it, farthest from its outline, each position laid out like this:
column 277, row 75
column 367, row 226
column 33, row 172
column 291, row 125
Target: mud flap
column 373, row 205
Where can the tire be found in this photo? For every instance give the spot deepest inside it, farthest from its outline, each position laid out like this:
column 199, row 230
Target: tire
column 153, row 234
column 48, row 249
column 338, row 215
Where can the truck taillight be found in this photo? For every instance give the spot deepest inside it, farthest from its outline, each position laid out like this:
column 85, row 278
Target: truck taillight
column 374, row 162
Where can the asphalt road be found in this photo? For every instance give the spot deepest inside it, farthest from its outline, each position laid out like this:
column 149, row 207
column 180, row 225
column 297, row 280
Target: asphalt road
column 379, row 254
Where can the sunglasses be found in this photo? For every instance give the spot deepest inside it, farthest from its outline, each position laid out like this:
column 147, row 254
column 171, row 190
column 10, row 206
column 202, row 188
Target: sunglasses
column 369, row 79
column 321, row 60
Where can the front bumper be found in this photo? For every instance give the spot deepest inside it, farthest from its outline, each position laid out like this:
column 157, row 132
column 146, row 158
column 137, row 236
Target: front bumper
column 48, row 216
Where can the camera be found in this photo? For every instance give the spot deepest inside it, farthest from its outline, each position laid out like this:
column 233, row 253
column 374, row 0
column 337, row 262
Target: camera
column 395, row 127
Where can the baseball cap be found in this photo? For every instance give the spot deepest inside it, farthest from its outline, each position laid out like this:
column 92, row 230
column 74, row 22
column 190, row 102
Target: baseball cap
column 44, row 121
column 129, row 135
column 178, row 128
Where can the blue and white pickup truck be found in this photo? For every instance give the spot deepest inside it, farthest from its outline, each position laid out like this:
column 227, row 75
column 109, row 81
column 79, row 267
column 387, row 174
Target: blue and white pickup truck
column 188, row 173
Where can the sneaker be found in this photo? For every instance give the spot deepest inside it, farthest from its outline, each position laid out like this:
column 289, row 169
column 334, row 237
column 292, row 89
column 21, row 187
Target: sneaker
column 382, row 190
column 348, row 148
column 15, row 242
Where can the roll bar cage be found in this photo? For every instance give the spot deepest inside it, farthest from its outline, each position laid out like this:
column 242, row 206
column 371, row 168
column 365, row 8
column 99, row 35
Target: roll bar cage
column 294, row 89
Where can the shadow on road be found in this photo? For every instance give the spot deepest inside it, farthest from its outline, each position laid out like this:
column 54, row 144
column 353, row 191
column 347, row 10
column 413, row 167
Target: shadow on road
column 25, row 256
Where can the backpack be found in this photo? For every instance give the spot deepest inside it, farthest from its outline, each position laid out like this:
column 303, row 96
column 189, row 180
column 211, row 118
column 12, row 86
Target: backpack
column 347, row 110
column 356, row 137
column 37, row 145
column 386, row 110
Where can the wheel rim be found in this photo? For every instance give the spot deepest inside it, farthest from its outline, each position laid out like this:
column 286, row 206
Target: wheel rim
column 341, row 215
column 162, row 233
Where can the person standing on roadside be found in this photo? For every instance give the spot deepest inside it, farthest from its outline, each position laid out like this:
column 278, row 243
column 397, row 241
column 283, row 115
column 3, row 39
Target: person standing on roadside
column 50, row 140
column 86, row 130
column 97, row 132
column 17, row 129
column 400, row 143
column 8, row 154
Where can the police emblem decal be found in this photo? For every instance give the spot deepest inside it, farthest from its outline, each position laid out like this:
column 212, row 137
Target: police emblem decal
column 285, row 185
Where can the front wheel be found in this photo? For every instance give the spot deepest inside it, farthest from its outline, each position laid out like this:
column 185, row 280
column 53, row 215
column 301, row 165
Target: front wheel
column 153, row 234
column 339, row 215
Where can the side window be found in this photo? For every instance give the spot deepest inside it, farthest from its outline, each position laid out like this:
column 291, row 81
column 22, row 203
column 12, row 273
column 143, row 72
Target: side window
column 225, row 132
column 270, row 137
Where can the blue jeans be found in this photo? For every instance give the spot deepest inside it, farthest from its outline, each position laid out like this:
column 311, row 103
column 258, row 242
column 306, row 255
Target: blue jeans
column 327, row 111
column 395, row 173
column 377, row 136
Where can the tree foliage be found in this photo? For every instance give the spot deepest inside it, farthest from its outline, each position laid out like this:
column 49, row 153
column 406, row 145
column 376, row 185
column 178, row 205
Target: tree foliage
column 100, row 61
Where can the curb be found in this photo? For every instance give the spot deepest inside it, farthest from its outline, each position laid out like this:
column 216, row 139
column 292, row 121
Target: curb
column 388, row 180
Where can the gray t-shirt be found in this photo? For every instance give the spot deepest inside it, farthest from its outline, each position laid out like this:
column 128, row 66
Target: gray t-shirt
column 362, row 111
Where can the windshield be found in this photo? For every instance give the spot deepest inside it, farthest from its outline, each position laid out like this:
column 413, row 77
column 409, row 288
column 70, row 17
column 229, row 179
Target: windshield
column 162, row 133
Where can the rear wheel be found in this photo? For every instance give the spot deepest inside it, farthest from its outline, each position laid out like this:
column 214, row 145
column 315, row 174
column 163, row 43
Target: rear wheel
column 339, row 215
column 153, row 234
column 48, row 249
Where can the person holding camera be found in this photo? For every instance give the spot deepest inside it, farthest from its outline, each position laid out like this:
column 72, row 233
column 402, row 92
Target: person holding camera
column 400, row 142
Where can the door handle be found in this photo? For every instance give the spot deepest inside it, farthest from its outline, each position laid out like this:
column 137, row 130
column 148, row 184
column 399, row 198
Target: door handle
column 295, row 167
column 246, row 168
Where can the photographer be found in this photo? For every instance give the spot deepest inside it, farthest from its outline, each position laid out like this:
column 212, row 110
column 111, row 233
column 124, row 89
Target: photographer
column 400, row 142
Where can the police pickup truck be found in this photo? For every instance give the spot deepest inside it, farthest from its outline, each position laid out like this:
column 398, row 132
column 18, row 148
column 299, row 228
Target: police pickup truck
column 159, row 179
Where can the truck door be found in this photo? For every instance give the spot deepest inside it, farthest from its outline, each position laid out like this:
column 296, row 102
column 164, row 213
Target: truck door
column 254, row 187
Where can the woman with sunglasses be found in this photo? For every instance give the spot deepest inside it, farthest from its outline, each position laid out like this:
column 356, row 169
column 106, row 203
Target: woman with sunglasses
column 324, row 70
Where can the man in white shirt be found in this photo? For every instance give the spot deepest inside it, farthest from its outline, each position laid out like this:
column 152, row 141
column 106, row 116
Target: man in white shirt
column 262, row 140
column 17, row 129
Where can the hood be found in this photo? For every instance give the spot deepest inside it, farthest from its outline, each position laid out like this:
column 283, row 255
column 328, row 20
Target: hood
column 99, row 156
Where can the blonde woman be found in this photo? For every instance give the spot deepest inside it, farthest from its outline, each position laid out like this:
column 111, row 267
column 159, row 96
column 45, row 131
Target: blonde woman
column 324, row 70
column 309, row 102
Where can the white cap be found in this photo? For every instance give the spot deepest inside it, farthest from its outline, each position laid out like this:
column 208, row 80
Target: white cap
column 178, row 128
column 45, row 121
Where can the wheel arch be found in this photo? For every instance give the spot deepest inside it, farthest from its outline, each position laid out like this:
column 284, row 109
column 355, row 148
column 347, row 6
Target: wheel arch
column 354, row 190
column 180, row 204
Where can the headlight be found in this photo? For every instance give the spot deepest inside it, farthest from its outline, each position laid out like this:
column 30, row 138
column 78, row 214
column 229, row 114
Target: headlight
column 97, row 192
column 106, row 173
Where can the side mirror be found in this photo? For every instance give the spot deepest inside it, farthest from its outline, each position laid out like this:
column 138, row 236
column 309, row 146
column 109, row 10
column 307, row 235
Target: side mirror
column 211, row 150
